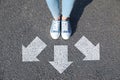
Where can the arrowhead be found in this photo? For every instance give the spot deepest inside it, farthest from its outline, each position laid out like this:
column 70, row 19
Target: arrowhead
column 27, row 56
column 60, row 67
column 31, row 52
column 94, row 53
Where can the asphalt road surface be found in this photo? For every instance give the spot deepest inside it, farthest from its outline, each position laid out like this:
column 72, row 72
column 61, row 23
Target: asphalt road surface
column 21, row 21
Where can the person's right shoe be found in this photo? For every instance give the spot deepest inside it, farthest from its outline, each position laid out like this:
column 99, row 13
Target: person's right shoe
column 55, row 29
column 66, row 30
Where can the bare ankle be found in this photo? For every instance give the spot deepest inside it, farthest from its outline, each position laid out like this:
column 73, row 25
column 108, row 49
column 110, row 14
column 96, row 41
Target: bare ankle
column 65, row 18
column 57, row 18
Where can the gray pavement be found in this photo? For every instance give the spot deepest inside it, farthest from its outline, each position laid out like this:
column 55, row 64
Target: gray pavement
column 22, row 20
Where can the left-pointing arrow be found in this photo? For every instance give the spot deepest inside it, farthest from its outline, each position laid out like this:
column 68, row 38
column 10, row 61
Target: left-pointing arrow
column 30, row 53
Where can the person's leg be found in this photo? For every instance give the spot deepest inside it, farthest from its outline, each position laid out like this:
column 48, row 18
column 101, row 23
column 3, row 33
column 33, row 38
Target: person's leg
column 54, row 8
column 67, row 6
column 53, row 5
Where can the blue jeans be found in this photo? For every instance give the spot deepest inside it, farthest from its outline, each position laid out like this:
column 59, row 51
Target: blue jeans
column 54, row 6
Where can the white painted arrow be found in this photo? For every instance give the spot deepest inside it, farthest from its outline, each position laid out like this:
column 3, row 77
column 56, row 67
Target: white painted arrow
column 60, row 62
column 31, row 52
column 90, row 51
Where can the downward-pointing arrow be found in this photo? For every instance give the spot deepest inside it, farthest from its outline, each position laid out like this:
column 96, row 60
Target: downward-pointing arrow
column 60, row 62
column 30, row 52
column 88, row 49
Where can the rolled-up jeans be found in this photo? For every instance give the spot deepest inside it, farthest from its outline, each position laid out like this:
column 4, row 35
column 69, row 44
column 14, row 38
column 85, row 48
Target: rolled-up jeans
column 54, row 6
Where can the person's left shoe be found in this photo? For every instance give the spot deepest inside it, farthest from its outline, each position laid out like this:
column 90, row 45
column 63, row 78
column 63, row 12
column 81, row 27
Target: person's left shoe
column 66, row 30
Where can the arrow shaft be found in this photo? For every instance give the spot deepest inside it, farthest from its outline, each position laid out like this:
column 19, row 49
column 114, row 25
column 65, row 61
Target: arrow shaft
column 61, row 53
column 36, row 45
column 85, row 45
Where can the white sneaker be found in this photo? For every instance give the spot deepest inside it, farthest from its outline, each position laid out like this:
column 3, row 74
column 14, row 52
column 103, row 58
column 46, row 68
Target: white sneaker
column 66, row 30
column 55, row 29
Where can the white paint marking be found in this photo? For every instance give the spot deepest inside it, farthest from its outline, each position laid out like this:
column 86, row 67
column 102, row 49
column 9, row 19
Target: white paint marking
column 31, row 52
column 88, row 49
column 60, row 62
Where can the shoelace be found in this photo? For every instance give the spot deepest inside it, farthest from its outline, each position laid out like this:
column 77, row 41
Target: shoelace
column 65, row 26
column 55, row 26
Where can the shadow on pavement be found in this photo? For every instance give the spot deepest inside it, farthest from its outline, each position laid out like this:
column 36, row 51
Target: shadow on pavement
column 77, row 12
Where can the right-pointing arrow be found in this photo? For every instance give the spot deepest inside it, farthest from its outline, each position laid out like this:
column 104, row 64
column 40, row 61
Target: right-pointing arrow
column 60, row 62
column 90, row 51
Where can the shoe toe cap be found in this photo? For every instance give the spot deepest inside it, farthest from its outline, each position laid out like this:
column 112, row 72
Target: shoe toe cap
column 55, row 36
column 66, row 36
